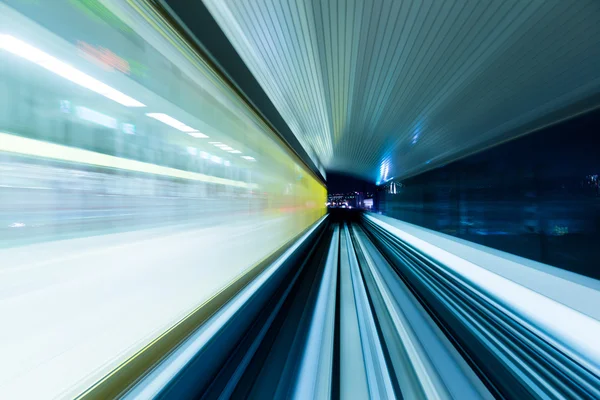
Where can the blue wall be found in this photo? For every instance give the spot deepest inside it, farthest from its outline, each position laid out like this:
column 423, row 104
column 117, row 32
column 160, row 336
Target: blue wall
column 537, row 196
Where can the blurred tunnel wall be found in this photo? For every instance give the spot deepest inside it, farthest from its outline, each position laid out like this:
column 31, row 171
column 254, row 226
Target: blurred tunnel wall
column 108, row 124
column 537, row 197
column 134, row 185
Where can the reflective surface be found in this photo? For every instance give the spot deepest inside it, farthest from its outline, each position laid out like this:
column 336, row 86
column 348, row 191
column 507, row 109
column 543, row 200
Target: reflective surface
column 383, row 89
column 134, row 184
column 537, row 197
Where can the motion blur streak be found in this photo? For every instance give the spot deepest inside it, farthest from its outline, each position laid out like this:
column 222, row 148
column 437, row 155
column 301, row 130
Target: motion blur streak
column 22, row 49
column 162, row 202
column 113, row 225
column 395, row 320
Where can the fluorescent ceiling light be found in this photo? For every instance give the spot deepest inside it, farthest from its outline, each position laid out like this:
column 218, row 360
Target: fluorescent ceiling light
column 249, row 158
column 222, row 146
column 166, row 119
column 235, row 152
column 28, row 52
column 197, row 135
column 96, row 117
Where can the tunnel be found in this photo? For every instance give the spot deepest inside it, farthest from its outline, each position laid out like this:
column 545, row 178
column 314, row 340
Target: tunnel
column 299, row 199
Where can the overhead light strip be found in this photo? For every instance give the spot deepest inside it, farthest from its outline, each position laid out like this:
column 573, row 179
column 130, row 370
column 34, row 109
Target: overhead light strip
column 28, row 52
column 168, row 120
column 197, row 135
column 225, row 147
column 96, row 117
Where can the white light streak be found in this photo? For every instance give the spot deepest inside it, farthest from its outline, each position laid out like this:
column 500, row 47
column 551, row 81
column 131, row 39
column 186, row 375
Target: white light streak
column 30, row 53
column 168, row 120
column 96, row 117
column 223, row 146
column 197, row 135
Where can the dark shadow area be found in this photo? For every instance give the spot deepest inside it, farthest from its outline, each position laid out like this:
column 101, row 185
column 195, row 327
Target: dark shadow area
column 340, row 183
column 348, row 192
column 537, row 197
column 337, row 215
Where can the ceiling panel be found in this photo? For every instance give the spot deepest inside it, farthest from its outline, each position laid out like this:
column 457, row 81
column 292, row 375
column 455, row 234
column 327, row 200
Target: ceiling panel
column 392, row 88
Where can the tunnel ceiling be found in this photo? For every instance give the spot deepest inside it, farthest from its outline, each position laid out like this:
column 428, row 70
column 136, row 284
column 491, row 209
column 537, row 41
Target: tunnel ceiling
column 383, row 89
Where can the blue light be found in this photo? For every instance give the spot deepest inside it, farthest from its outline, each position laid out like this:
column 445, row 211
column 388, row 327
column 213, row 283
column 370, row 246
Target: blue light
column 417, row 133
column 65, row 106
column 415, row 138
